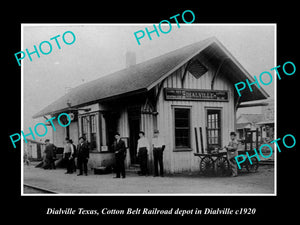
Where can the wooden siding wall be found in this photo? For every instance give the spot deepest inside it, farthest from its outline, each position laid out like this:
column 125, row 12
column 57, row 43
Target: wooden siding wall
column 60, row 134
column 74, row 132
column 186, row 161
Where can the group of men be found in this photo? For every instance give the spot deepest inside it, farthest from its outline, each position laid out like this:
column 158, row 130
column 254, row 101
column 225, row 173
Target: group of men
column 70, row 153
column 81, row 152
column 143, row 148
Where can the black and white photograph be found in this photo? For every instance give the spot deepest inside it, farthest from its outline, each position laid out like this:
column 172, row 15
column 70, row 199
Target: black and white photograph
column 149, row 109
column 149, row 113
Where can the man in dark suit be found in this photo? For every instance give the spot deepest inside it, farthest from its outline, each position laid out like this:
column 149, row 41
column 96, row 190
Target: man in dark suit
column 49, row 155
column 120, row 155
column 83, row 152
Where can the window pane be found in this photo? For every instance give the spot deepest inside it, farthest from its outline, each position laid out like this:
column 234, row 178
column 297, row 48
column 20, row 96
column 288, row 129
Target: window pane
column 85, row 126
column 93, row 141
column 179, row 122
column 182, row 127
column 213, row 128
column 93, row 124
column 181, row 113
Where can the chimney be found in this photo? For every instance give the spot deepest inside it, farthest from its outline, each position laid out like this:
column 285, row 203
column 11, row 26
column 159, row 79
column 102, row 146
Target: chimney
column 130, row 58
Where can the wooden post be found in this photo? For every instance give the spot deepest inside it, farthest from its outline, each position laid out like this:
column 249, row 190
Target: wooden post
column 201, row 139
column 196, row 138
column 246, row 136
column 207, row 143
column 256, row 138
column 251, row 143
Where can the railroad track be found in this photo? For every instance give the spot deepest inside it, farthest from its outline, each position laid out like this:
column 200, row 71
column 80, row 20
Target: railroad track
column 34, row 189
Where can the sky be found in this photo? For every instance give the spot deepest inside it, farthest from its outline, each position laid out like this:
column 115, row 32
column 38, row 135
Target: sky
column 99, row 49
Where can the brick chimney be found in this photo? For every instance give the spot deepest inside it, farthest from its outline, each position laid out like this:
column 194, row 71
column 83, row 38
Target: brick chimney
column 130, row 58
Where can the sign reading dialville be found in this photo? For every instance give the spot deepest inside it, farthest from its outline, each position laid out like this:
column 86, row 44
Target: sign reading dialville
column 195, row 95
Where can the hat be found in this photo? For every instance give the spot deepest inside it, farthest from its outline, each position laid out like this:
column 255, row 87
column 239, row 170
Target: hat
column 81, row 138
column 47, row 140
column 156, row 131
column 117, row 133
column 232, row 133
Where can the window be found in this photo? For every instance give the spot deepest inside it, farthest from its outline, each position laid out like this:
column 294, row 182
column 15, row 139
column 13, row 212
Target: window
column 85, row 126
column 213, row 128
column 197, row 69
column 93, row 132
column 182, row 128
column 89, row 130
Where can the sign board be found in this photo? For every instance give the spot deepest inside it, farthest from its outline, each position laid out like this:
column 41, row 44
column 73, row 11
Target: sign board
column 104, row 148
column 72, row 116
column 195, row 94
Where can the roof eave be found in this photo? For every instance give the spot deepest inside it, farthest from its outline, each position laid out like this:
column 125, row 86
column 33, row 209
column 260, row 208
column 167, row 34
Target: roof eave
column 111, row 98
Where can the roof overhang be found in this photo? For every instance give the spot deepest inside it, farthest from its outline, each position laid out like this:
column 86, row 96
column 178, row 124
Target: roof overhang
column 46, row 111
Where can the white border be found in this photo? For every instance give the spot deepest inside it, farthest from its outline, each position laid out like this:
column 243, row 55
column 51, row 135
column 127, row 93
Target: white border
column 22, row 115
column 150, row 194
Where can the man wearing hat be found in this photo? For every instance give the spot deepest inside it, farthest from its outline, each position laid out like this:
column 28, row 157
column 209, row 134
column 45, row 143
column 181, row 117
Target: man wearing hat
column 49, row 155
column 120, row 155
column 232, row 153
column 158, row 149
column 83, row 152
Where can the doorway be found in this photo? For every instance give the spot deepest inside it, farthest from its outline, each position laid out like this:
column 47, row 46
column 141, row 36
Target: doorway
column 134, row 118
column 111, row 120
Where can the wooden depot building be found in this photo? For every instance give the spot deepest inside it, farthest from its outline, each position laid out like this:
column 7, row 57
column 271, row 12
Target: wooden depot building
column 189, row 87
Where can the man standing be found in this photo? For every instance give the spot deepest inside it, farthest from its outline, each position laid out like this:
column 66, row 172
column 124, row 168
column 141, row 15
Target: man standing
column 232, row 153
column 142, row 153
column 72, row 157
column 67, row 156
column 120, row 154
column 83, row 152
column 158, row 148
column 49, row 155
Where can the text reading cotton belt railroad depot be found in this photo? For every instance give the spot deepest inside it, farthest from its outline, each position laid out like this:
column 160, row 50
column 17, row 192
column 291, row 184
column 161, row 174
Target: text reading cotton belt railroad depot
column 151, row 211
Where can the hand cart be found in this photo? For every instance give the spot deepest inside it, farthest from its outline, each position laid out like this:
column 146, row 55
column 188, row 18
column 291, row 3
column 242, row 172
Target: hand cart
column 215, row 162
column 246, row 164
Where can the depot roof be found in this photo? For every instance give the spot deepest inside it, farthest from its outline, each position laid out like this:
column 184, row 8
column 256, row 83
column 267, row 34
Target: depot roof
column 144, row 76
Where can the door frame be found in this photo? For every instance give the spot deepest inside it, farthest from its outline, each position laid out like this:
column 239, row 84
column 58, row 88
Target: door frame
column 134, row 126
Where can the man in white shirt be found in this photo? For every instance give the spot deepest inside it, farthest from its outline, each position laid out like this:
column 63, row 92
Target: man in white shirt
column 142, row 153
column 66, row 156
column 158, row 148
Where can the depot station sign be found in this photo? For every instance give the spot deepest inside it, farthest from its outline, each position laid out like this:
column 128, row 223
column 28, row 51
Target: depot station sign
column 195, row 94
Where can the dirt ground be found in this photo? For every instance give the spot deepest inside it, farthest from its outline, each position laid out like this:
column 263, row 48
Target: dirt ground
column 261, row 182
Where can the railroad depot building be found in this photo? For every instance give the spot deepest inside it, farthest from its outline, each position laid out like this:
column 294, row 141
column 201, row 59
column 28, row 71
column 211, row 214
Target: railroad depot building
column 189, row 87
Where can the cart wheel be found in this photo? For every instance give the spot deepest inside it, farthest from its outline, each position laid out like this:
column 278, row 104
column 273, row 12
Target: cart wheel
column 207, row 165
column 252, row 168
column 222, row 167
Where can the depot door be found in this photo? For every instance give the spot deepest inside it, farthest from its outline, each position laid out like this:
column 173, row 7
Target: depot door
column 134, row 118
column 111, row 120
